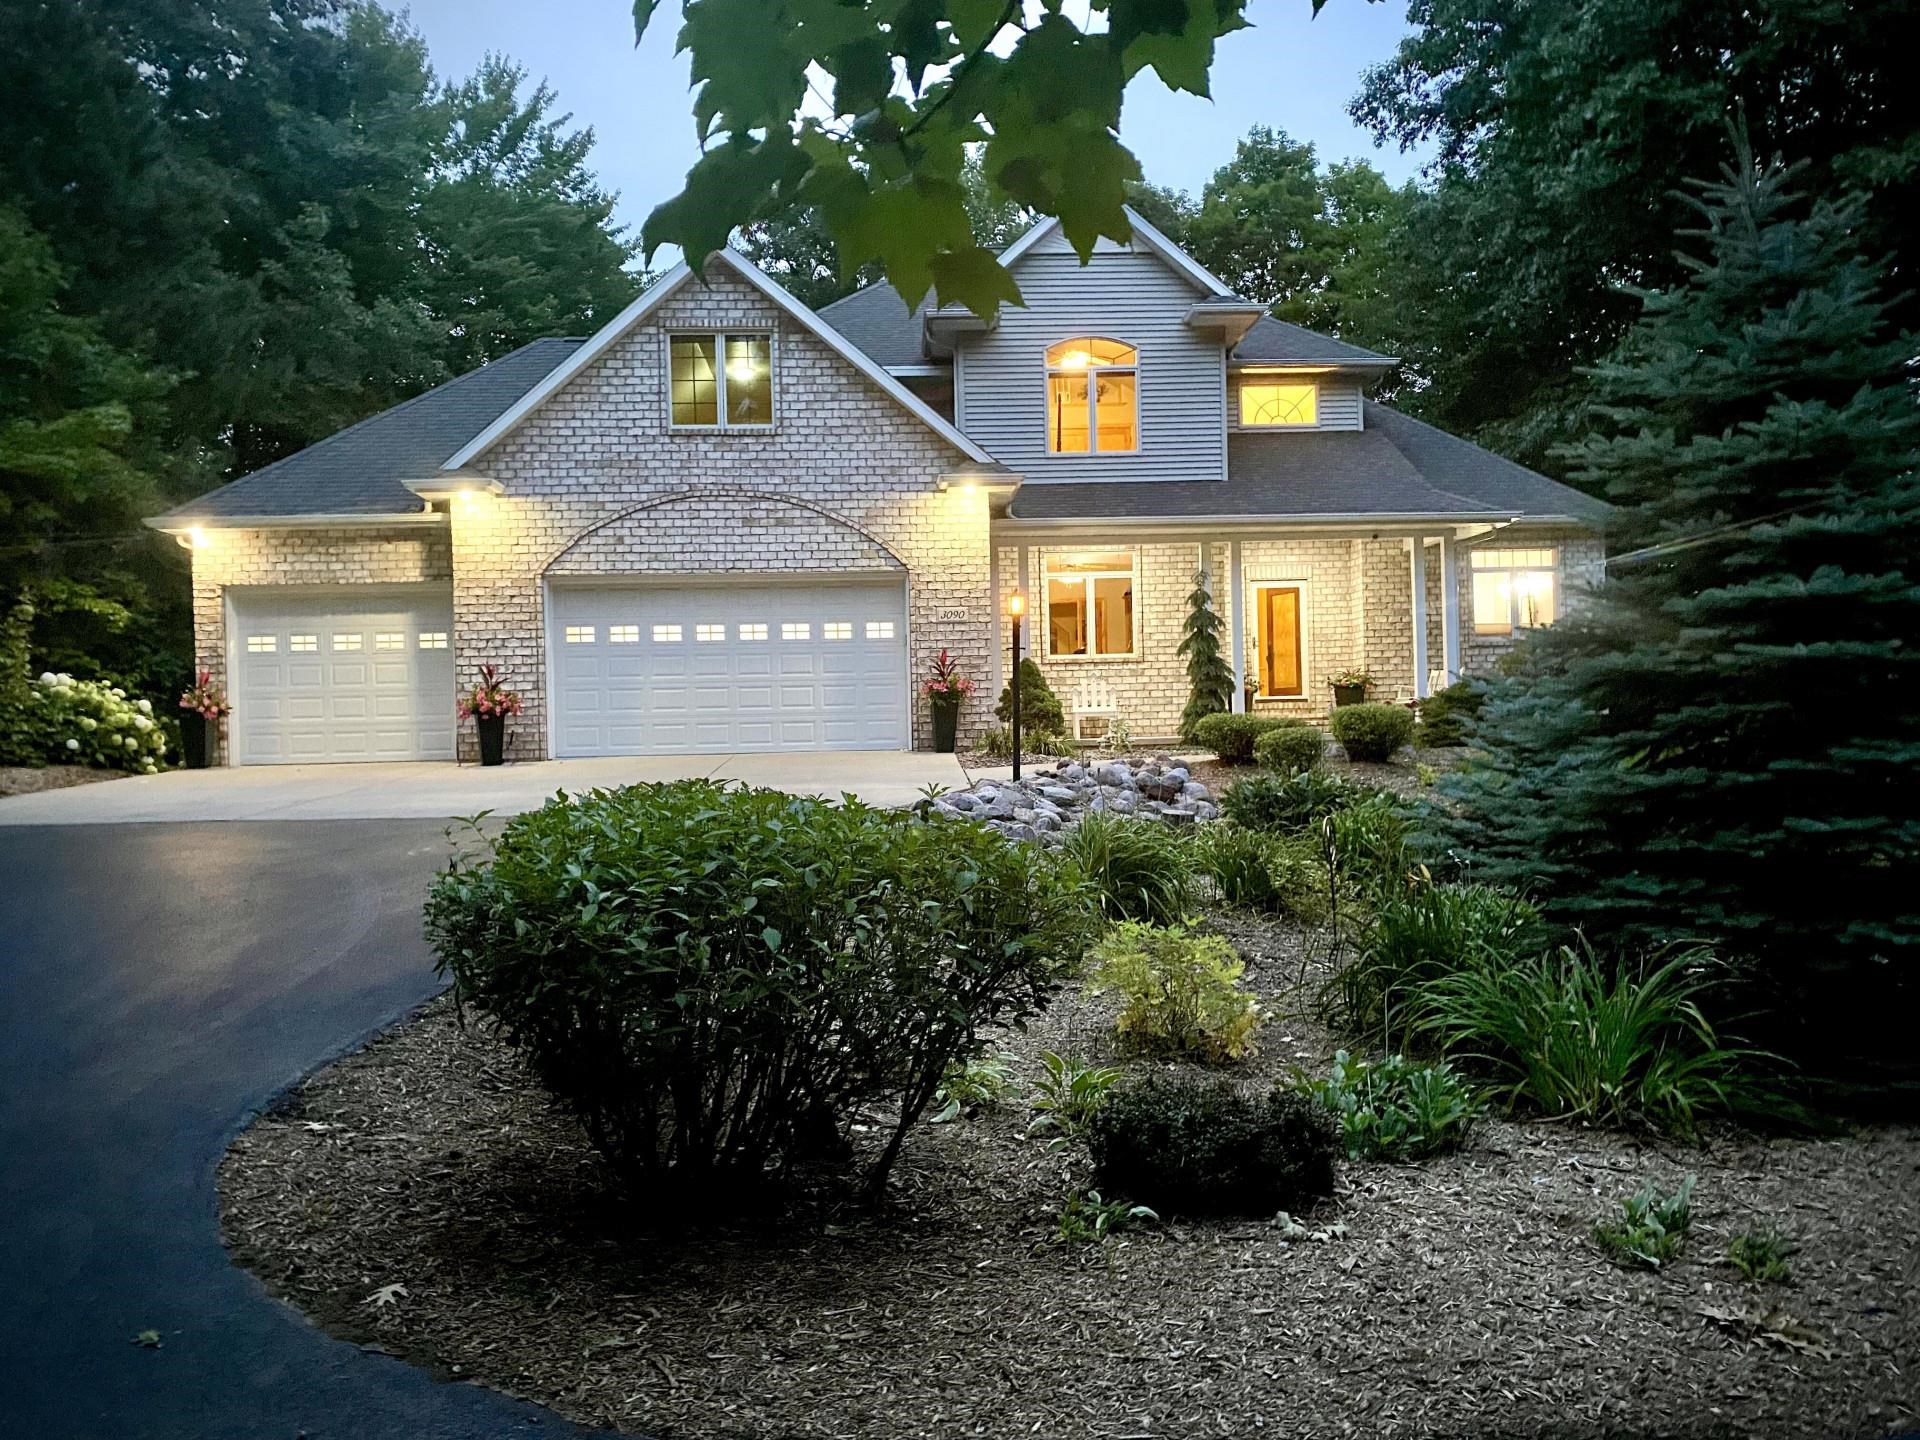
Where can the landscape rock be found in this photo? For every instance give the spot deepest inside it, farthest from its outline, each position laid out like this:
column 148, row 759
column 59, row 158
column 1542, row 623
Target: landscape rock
column 1047, row 802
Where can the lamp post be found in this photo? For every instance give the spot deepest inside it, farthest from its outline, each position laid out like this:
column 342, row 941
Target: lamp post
column 1016, row 607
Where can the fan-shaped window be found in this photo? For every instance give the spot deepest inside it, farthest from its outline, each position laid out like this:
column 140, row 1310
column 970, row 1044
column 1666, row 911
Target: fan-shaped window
column 1279, row 402
column 1092, row 397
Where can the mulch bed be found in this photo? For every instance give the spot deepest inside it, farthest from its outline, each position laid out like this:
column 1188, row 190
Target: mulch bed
column 420, row 1196
column 30, row 780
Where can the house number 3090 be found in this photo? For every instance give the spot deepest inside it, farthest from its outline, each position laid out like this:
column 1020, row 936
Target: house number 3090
column 949, row 615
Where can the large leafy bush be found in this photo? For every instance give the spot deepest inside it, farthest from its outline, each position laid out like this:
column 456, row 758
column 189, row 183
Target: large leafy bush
column 89, row 722
column 715, row 981
column 1198, row 1147
column 1182, row 991
column 1139, row 869
column 1446, row 715
column 1372, row 732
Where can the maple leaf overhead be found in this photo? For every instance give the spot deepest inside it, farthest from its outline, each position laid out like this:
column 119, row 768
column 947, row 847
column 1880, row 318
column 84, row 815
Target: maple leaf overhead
column 864, row 111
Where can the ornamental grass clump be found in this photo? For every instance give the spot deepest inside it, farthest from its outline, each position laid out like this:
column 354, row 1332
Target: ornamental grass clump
column 1138, row 869
column 718, row 981
column 1268, row 874
column 1182, row 992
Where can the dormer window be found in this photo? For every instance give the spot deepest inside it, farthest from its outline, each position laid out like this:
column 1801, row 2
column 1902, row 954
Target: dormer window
column 721, row 381
column 1092, row 397
column 1279, row 404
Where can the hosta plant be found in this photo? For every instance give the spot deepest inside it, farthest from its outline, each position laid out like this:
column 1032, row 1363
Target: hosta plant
column 1395, row 1108
column 1067, row 1094
column 1651, row 1229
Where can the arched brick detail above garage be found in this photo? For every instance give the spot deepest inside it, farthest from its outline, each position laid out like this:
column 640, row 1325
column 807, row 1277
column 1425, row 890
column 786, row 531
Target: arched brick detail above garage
column 720, row 531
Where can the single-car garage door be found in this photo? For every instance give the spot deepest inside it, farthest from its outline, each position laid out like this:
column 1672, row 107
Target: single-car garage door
column 333, row 677
column 654, row 670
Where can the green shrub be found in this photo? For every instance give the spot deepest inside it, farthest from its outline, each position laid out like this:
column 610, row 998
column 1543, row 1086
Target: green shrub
column 1288, row 804
column 1138, row 869
column 1201, row 1147
column 1289, row 749
column 1040, row 710
column 1761, row 1255
column 1652, row 1228
column 1572, row 1039
column 89, row 722
column 1068, row 1094
column 1231, row 736
column 1395, row 1109
column 1446, row 715
column 1420, row 935
column 717, row 981
column 999, row 741
column 1370, row 731
column 1270, row 874
column 1182, row 992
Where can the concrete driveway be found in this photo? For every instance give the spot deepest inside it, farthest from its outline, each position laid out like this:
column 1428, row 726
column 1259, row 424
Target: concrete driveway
column 158, row 983
column 438, row 791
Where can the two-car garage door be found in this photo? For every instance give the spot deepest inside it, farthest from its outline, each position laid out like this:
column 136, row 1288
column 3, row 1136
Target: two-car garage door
column 662, row 670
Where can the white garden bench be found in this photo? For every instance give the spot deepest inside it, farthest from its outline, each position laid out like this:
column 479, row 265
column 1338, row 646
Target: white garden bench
column 1093, row 700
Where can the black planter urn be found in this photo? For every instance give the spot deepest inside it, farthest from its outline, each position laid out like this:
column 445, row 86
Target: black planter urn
column 493, row 738
column 946, row 723
column 1349, row 694
column 194, row 739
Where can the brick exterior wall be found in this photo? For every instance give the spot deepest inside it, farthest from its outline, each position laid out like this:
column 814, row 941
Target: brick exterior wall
column 1582, row 567
column 229, row 559
column 598, row 483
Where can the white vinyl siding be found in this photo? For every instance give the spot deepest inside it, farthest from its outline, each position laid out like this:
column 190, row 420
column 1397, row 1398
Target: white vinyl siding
column 1339, row 404
column 1134, row 297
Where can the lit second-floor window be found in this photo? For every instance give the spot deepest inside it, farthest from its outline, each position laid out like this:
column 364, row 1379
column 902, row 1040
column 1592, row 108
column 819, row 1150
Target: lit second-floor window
column 1271, row 403
column 721, row 380
column 1093, row 397
column 1090, row 604
column 1514, row 590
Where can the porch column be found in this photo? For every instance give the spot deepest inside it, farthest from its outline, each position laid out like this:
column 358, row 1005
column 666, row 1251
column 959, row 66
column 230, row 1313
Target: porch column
column 1419, row 551
column 1450, row 607
column 1239, row 599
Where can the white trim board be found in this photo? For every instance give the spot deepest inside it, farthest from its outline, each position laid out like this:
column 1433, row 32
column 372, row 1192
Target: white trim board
column 1158, row 243
column 650, row 300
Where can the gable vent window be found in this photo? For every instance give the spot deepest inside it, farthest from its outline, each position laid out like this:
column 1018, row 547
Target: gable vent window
column 721, row 381
column 1514, row 590
column 1092, row 397
column 1278, row 404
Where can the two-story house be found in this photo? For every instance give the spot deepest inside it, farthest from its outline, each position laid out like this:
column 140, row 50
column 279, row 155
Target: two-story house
column 727, row 522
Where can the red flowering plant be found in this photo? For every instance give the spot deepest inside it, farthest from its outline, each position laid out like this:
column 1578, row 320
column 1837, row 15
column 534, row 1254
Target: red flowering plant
column 488, row 698
column 205, row 698
column 946, row 685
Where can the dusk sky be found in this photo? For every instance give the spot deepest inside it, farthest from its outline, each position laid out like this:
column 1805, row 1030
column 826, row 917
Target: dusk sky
column 1290, row 71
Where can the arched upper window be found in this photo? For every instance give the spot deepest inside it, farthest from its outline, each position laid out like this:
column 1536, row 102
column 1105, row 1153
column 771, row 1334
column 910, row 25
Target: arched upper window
column 1093, row 392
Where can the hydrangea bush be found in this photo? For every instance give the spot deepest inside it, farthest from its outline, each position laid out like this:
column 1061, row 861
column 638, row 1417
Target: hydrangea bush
column 89, row 722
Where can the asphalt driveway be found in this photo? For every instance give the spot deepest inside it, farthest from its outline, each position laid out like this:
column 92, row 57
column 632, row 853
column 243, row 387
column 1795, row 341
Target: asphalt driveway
column 158, row 983
column 438, row 790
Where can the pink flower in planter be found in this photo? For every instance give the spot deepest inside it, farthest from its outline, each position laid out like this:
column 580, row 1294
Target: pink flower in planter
column 489, row 698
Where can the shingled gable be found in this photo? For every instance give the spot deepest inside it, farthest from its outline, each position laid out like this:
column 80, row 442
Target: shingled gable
column 680, row 275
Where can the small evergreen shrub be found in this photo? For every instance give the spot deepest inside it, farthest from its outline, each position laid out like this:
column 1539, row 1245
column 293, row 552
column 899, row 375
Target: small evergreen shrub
column 1040, row 709
column 1231, row 736
column 1289, row 749
column 1421, row 935
column 1372, row 732
column 1209, row 677
column 1652, row 1228
column 1203, row 1147
column 717, row 981
column 1446, row 714
column 1138, row 869
column 1288, row 804
column 1182, row 992
column 1573, row 1036
column 1270, row 874
column 1395, row 1109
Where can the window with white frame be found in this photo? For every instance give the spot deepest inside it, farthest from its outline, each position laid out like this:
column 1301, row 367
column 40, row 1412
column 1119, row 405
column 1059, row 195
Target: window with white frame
column 1090, row 604
column 666, row 634
column 754, row 630
column 579, row 634
column 433, row 639
column 346, row 642
column 623, row 634
column 795, row 630
column 390, row 640
column 837, row 630
column 1514, row 589
column 1271, row 403
column 880, row 629
column 721, row 380
column 708, row 634
column 262, row 644
column 303, row 644
column 1093, row 391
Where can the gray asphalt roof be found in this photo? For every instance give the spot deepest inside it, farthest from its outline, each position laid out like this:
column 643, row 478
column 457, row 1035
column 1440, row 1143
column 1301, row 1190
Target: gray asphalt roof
column 877, row 320
column 360, row 470
column 1275, row 341
column 1395, row 466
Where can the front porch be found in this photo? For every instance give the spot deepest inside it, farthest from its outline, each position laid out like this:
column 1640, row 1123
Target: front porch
column 1107, row 611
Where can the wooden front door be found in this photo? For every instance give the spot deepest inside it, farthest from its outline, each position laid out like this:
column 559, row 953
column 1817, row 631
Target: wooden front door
column 1280, row 642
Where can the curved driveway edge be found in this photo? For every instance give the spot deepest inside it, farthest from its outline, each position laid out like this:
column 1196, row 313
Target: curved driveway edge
column 158, row 985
